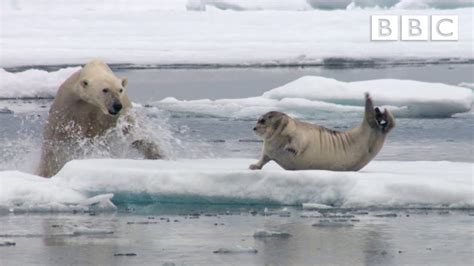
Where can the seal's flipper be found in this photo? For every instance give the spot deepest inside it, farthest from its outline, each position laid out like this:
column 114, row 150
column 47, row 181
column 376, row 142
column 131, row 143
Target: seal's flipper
column 370, row 113
column 375, row 118
column 380, row 118
column 388, row 117
column 385, row 120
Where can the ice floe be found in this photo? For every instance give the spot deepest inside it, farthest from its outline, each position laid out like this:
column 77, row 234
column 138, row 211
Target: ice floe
column 21, row 192
column 303, row 97
column 307, row 95
column 33, row 83
column 381, row 184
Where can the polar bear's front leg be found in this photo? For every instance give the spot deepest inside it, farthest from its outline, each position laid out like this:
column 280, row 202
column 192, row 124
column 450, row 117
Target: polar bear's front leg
column 149, row 149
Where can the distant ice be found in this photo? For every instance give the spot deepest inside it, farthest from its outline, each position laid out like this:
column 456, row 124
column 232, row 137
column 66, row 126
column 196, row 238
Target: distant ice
column 33, row 83
column 245, row 5
column 301, row 97
column 315, row 206
column 307, row 95
column 146, row 33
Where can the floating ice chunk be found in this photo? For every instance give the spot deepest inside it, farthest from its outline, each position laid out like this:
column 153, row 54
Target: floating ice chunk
column 21, row 193
column 333, row 223
column 25, row 191
column 236, row 249
column 315, row 206
column 33, row 83
column 96, row 199
column 7, row 243
column 413, row 98
column 266, row 233
column 281, row 212
column 100, row 203
column 306, row 95
column 80, row 231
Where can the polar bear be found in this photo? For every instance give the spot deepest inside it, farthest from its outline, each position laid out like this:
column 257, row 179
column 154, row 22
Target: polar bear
column 87, row 104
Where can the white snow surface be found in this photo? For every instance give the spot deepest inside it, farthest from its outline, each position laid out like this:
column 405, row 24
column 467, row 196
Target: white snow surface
column 307, row 95
column 243, row 5
column 61, row 32
column 380, row 184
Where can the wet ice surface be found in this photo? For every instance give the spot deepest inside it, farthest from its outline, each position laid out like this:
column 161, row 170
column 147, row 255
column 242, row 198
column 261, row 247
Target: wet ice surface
column 223, row 235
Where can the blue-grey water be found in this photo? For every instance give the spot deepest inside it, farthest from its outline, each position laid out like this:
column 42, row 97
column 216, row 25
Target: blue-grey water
column 191, row 236
column 188, row 234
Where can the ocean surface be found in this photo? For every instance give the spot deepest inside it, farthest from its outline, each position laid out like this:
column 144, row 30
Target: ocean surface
column 148, row 231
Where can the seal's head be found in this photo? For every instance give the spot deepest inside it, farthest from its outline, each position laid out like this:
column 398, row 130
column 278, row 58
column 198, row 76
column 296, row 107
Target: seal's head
column 271, row 123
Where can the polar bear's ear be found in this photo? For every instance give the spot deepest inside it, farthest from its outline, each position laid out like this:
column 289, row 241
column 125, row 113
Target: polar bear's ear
column 124, row 82
column 84, row 83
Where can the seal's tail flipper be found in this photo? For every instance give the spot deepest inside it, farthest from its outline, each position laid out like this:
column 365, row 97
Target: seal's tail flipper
column 389, row 119
column 375, row 118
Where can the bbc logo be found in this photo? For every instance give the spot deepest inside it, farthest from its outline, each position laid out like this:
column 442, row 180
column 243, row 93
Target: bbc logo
column 414, row 28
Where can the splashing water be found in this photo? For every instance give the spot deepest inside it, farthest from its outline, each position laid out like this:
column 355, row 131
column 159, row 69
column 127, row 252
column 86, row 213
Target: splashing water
column 21, row 139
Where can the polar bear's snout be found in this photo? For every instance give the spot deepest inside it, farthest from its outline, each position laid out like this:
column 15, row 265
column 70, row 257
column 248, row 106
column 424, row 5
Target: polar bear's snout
column 116, row 107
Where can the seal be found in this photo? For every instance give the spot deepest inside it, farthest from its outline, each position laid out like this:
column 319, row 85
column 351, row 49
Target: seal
column 296, row 145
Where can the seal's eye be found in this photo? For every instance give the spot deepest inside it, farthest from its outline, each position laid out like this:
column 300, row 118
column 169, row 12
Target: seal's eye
column 121, row 90
column 270, row 117
column 261, row 121
column 105, row 90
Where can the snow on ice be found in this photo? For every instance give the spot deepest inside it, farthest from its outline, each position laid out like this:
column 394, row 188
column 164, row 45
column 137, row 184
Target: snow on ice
column 143, row 32
column 382, row 184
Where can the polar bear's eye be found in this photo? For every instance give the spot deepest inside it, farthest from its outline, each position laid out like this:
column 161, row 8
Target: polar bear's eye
column 105, row 90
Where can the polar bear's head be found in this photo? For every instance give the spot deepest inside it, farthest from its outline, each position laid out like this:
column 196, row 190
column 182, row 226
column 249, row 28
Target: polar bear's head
column 107, row 95
column 98, row 86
